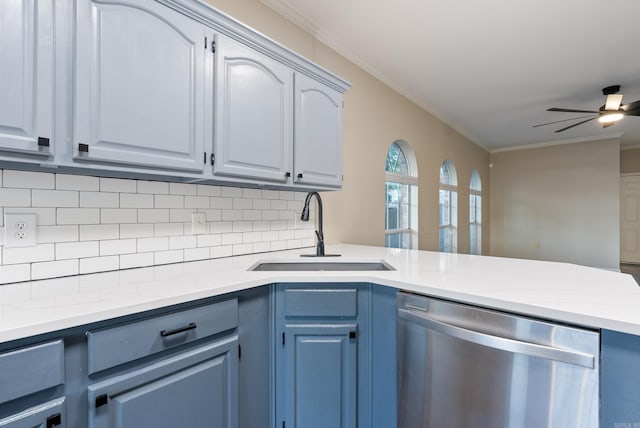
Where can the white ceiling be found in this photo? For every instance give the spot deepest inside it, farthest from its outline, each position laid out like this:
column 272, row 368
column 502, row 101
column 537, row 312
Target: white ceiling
column 491, row 68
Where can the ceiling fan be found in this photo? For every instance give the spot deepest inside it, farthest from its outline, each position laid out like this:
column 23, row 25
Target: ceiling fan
column 608, row 114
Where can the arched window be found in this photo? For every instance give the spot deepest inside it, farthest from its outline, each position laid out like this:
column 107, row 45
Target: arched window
column 401, row 191
column 475, row 214
column 448, row 201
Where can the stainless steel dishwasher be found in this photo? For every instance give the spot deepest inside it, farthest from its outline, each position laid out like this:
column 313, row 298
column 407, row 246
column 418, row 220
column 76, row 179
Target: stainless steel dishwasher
column 462, row 366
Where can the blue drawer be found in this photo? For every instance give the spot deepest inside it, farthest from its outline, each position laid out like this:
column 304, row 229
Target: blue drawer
column 118, row 345
column 313, row 302
column 28, row 370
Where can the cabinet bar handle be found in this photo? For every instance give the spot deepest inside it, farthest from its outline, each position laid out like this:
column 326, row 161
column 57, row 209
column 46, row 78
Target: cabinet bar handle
column 166, row 333
column 54, row 420
column 43, row 142
column 83, row 148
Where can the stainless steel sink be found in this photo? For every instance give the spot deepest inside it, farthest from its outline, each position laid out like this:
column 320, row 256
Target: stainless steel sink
column 322, row 266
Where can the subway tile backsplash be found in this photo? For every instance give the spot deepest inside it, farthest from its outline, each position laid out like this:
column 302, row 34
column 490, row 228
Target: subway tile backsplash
column 92, row 224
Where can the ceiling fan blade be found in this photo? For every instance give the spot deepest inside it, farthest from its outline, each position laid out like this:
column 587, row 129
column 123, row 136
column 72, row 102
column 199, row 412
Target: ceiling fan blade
column 608, row 124
column 576, row 124
column 559, row 121
column 613, row 102
column 631, row 109
column 569, row 110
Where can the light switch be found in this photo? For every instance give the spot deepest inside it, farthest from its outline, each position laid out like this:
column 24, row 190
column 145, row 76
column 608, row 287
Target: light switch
column 199, row 223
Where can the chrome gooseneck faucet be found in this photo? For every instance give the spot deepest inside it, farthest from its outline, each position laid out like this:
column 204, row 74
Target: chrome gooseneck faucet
column 305, row 217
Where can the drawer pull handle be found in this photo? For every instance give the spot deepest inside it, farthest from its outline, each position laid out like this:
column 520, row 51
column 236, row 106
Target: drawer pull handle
column 54, row 420
column 166, row 333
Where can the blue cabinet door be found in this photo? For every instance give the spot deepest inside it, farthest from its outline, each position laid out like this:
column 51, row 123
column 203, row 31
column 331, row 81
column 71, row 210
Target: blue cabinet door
column 321, row 375
column 195, row 389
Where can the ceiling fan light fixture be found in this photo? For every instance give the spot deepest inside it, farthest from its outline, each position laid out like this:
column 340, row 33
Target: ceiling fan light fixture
column 610, row 117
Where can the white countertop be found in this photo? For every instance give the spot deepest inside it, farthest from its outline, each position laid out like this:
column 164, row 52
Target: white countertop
column 559, row 291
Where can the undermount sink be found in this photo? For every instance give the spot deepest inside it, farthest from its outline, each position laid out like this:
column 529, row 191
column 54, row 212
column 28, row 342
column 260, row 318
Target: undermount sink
column 321, row 266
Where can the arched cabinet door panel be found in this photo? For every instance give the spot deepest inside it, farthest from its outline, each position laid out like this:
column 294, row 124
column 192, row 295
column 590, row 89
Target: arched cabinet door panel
column 139, row 85
column 26, row 76
column 253, row 110
column 318, row 133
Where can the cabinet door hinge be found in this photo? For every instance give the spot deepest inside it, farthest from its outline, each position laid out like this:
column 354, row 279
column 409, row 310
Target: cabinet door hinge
column 239, row 352
column 282, row 339
column 213, row 158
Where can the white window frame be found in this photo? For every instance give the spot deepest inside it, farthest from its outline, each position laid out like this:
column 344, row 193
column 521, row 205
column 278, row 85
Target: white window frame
column 412, row 181
column 475, row 247
column 452, row 226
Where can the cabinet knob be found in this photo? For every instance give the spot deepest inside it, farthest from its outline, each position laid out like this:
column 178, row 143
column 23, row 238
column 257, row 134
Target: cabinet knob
column 43, row 142
column 300, row 176
column 287, row 174
column 84, row 148
column 352, row 335
column 101, row 400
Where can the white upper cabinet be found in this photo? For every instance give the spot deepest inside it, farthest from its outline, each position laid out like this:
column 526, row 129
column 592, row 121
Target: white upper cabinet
column 26, row 76
column 253, row 114
column 318, row 133
column 139, row 85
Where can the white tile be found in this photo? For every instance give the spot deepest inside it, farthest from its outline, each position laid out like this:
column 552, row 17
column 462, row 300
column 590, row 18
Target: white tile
column 54, row 198
column 99, row 200
column 208, row 240
column 231, row 192
column 221, row 227
column 153, row 215
column 78, row 215
column 261, row 247
column 179, row 242
column 54, row 269
column 278, row 225
column 44, row 216
column 212, row 215
column 294, row 243
column 77, row 182
column 242, row 226
column 168, row 201
column 39, row 253
column 168, row 229
column 99, row 264
column 270, row 236
column 278, row 204
column 182, row 189
column 251, row 237
column 222, row 203
column 270, row 194
column 96, row 232
column 222, row 251
column 251, row 193
column 261, row 204
column 231, row 215
column 270, row 215
column 154, row 187
column 308, row 242
column 118, row 215
column 28, row 179
column 15, row 273
column 261, row 226
column 239, row 249
column 15, row 197
column 278, row 245
column 164, row 257
column 136, row 230
column 136, row 260
column 45, row 234
column 287, row 195
column 191, row 254
column 117, row 246
column 135, row 200
column 180, row 215
column 284, row 235
column 242, row 204
column 76, row 250
column 231, row 238
column 300, row 196
column 251, row 215
column 295, row 205
column 117, row 185
column 146, row 245
column 207, row 190
column 286, row 215
column 196, row 201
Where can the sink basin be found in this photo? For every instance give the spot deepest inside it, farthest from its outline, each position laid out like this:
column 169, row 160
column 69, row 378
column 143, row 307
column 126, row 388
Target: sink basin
column 321, row 266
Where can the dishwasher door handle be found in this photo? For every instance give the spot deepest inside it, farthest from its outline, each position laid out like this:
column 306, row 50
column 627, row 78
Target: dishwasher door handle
column 496, row 342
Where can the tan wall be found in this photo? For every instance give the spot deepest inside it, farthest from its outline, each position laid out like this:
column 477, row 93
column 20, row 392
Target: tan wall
column 630, row 161
column 557, row 203
column 374, row 117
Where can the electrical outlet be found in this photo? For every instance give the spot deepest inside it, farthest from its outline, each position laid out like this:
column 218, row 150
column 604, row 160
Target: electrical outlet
column 19, row 230
column 199, row 223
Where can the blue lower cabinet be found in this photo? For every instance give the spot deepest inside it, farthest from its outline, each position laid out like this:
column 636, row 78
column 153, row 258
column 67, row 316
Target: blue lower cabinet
column 195, row 389
column 47, row 415
column 321, row 375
